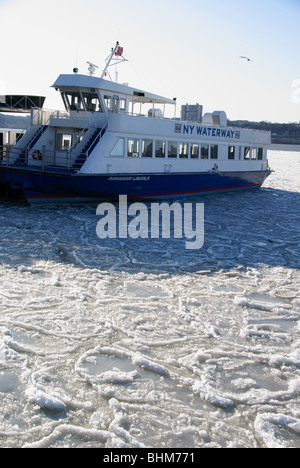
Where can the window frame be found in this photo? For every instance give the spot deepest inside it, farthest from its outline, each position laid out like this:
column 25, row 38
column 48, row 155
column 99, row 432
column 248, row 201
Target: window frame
column 118, row 143
column 136, row 153
column 163, row 146
column 72, row 107
column 143, row 150
column 108, row 101
column 85, row 95
column 231, row 153
column 186, row 153
column 60, row 140
column 214, row 151
column 192, row 145
column 122, row 104
column 247, row 153
column 171, row 146
column 204, row 146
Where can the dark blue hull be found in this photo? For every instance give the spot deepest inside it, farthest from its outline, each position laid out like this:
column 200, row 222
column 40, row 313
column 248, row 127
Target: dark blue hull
column 43, row 187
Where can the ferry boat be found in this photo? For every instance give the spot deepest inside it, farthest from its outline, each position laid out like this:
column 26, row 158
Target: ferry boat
column 15, row 118
column 106, row 144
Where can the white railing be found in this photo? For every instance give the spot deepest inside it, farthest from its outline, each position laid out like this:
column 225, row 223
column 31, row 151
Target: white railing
column 99, row 135
column 45, row 159
column 78, row 140
column 43, row 116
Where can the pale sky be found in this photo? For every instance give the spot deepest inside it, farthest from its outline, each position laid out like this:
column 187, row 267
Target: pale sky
column 189, row 49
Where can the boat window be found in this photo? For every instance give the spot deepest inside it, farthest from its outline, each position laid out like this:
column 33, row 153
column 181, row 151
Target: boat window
column 247, row 151
column 122, row 104
column 133, row 148
column 92, row 103
column 194, row 150
column 260, row 154
column 118, row 149
column 183, row 150
column 115, row 103
column 160, row 149
column 147, row 146
column 231, row 152
column 214, row 152
column 107, row 100
column 172, row 149
column 63, row 141
column 73, row 101
column 204, row 151
column 254, row 153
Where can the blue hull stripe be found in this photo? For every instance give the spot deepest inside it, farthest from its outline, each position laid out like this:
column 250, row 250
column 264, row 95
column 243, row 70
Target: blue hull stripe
column 43, row 186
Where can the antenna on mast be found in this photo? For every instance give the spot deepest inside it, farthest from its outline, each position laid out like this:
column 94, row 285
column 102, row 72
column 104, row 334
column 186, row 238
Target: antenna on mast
column 115, row 57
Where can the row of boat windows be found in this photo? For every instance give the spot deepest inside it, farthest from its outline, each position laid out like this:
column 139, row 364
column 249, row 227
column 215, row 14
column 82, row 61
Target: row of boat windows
column 81, row 101
column 161, row 149
column 84, row 101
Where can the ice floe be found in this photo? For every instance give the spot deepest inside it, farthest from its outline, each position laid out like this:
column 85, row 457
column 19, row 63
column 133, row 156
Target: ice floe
column 141, row 343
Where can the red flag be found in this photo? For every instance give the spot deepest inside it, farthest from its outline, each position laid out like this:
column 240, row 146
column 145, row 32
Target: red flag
column 119, row 51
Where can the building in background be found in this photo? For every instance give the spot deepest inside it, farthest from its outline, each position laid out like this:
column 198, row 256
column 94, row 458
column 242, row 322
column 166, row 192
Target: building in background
column 192, row 112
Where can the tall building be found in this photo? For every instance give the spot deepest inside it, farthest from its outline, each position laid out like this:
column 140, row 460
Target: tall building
column 192, row 112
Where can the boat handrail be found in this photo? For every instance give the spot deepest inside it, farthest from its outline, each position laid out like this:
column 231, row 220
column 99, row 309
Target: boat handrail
column 78, row 139
column 99, row 135
column 48, row 159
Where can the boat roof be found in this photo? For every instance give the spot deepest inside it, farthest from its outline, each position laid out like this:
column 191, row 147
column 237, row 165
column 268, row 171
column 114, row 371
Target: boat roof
column 68, row 81
column 20, row 103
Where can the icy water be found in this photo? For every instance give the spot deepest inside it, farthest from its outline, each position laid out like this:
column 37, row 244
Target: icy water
column 142, row 343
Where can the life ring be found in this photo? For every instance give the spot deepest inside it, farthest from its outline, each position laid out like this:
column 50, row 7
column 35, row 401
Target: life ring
column 37, row 155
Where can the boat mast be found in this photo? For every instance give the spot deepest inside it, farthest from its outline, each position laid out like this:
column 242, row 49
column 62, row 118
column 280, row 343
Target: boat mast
column 115, row 56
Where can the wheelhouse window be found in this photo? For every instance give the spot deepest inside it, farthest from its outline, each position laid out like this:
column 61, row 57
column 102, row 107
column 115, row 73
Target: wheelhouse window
column 92, row 102
column 254, row 153
column 260, row 154
column 133, row 148
column 247, row 152
column 231, row 152
column 122, row 104
column 63, row 141
column 214, row 151
column 147, row 147
column 183, row 150
column 160, row 149
column 73, row 101
column 194, row 151
column 172, row 149
column 204, row 151
column 107, row 100
column 118, row 149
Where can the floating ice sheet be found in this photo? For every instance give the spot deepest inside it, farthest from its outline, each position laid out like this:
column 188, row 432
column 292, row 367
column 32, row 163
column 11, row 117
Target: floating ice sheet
column 137, row 343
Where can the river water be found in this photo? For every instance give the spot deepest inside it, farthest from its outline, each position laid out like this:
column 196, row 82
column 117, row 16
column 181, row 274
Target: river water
column 143, row 343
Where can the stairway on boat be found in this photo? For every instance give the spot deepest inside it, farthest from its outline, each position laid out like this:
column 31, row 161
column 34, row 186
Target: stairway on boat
column 21, row 159
column 88, row 148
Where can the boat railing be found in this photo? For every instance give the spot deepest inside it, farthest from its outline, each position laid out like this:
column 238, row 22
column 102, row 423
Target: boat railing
column 78, row 140
column 189, row 122
column 36, row 160
column 3, row 152
column 98, row 137
column 42, row 116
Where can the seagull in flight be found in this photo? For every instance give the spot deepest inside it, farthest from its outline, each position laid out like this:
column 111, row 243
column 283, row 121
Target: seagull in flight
column 246, row 58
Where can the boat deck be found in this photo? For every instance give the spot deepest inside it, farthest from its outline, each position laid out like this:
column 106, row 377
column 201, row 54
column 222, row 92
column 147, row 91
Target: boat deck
column 34, row 168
